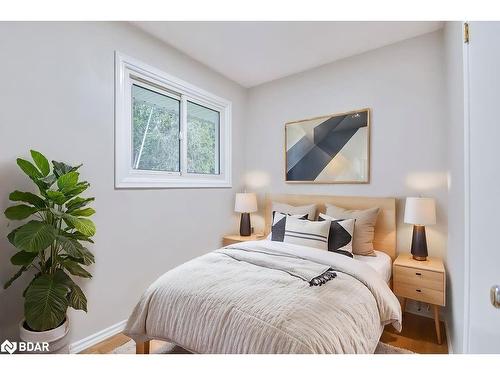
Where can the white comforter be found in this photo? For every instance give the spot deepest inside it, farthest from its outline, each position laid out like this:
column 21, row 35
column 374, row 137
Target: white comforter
column 218, row 304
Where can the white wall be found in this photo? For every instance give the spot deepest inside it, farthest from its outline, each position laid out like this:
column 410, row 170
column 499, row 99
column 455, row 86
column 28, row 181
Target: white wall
column 57, row 97
column 404, row 85
column 453, row 39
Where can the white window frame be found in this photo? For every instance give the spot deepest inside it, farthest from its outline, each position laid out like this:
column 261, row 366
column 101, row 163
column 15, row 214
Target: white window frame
column 129, row 71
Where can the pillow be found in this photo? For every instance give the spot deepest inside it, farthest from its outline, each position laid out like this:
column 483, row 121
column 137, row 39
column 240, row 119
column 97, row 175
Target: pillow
column 307, row 233
column 278, row 227
column 310, row 209
column 362, row 243
column 341, row 234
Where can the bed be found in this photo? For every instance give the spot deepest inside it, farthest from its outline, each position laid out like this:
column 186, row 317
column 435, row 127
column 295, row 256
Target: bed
column 381, row 263
column 258, row 296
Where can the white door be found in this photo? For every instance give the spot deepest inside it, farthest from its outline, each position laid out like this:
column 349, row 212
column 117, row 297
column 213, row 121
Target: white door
column 484, row 141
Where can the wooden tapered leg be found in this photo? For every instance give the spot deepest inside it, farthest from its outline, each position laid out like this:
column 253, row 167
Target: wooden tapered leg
column 436, row 322
column 142, row 347
column 403, row 306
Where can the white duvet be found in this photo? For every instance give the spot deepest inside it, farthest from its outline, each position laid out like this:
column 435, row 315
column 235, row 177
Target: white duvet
column 218, row 304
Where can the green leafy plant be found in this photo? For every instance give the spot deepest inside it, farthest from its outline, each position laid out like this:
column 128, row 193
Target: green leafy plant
column 51, row 243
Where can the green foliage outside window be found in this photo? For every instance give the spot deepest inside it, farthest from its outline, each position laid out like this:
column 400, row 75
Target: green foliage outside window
column 160, row 151
column 159, row 148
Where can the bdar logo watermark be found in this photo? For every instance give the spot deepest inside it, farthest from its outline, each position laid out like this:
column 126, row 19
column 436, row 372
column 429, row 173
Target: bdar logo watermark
column 8, row 347
column 31, row 347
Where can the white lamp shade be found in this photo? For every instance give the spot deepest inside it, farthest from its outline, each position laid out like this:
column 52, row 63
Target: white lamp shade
column 245, row 202
column 420, row 211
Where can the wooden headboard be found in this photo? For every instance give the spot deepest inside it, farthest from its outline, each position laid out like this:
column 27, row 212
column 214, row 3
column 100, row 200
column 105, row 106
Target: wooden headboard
column 385, row 227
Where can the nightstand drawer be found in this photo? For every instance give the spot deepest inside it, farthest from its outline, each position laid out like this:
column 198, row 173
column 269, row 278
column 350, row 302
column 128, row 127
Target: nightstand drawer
column 421, row 278
column 419, row 293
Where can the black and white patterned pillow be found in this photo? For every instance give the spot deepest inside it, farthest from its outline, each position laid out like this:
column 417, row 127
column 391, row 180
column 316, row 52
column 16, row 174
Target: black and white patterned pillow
column 340, row 236
column 279, row 223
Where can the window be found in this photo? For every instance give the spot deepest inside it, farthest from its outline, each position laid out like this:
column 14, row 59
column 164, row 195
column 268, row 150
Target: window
column 169, row 133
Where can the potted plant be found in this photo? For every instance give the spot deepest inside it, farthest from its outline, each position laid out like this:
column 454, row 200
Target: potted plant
column 51, row 245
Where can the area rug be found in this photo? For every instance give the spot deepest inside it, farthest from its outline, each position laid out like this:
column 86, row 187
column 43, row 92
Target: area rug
column 167, row 348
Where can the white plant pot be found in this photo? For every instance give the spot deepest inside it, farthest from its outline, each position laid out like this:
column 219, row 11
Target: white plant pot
column 57, row 338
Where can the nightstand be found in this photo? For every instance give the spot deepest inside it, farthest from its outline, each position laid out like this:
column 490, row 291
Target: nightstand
column 235, row 238
column 423, row 281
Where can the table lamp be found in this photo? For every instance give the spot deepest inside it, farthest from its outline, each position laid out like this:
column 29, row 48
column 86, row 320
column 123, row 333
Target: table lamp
column 419, row 212
column 245, row 203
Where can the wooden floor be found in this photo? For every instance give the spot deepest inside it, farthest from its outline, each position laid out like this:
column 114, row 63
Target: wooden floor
column 114, row 342
column 107, row 345
column 418, row 335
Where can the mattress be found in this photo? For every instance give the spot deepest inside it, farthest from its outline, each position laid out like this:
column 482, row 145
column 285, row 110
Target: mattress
column 381, row 263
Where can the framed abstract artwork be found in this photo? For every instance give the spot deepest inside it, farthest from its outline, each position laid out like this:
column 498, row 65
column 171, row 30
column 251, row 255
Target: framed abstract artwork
column 332, row 149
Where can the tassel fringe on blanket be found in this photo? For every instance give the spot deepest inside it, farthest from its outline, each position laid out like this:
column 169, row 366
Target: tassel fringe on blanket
column 326, row 276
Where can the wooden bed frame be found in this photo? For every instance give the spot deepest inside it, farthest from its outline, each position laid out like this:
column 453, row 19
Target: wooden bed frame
column 385, row 227
column 142, row 347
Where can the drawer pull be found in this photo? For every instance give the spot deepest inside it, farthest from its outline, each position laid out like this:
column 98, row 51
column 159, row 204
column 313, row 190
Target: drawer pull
column 418, row 274
column 418, row 290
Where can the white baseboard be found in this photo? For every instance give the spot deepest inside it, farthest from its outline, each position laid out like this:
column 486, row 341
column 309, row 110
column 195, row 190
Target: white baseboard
column 448, row 337
column 97, row 337
column 425, row 310
column 413, row 308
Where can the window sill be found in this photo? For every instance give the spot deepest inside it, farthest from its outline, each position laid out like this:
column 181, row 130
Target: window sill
column 142, row 183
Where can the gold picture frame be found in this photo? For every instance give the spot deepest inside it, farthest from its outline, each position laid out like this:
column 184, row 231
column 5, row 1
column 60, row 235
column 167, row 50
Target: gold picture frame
column 329, row 149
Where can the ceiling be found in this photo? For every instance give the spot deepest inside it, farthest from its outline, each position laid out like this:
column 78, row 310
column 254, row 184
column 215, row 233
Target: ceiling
column 252, row 53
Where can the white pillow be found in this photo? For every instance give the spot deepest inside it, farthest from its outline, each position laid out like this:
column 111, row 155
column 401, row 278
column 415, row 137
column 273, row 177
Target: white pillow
column 307, row 233
column 309, row 209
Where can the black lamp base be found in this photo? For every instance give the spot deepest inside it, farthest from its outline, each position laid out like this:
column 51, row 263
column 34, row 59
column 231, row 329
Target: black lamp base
column 245, row 229
column 419, row 243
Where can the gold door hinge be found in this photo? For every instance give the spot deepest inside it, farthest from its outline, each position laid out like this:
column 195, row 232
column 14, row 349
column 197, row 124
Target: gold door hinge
column 466, row 32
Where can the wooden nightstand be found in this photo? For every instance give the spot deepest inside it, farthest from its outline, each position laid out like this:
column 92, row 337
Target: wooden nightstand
column 423, row 281
column 235, row 238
